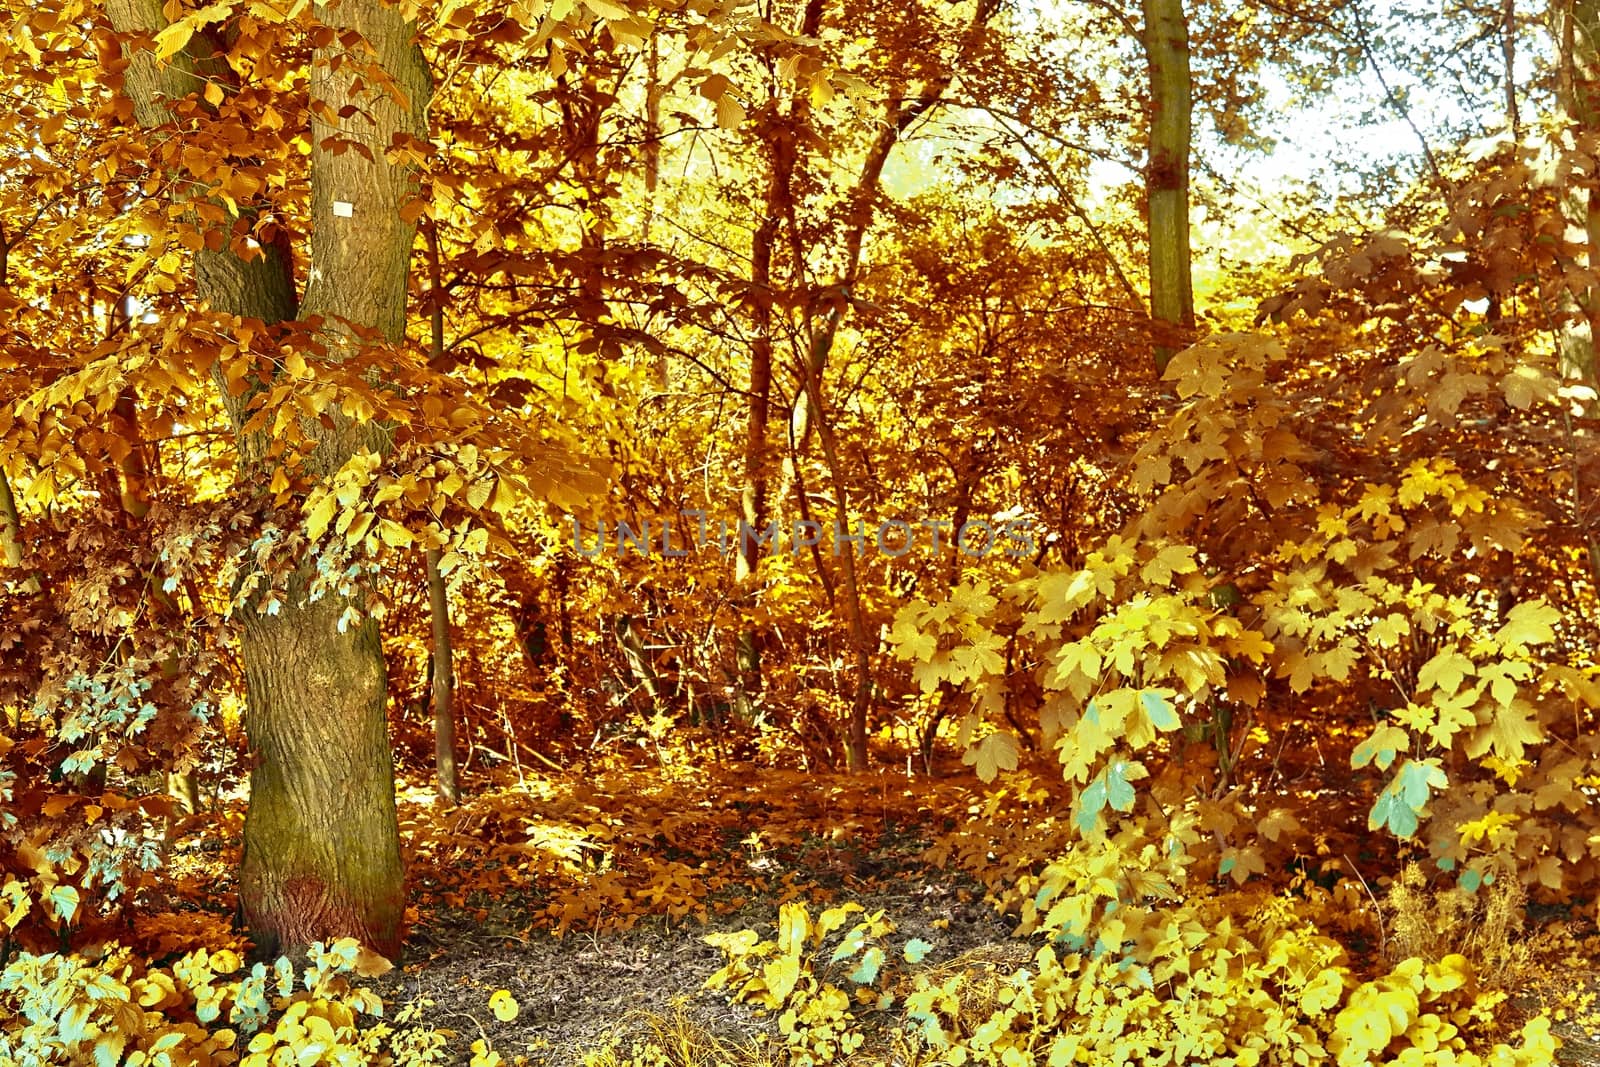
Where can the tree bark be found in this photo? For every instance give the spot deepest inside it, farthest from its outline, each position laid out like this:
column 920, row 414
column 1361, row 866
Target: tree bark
column 444, row 675
column 1580, row 99
column 444, row 722
column 1166, row 46
column 321, row 840
column 757, row 457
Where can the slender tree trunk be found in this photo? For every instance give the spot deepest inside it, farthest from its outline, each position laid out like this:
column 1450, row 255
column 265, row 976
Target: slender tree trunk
column 856, row 733
column 444, row 722
column 11, row 532
column 444, row 675
column 321, row 841
column 827, row 310
column 1508, row 59
column 757, row 457
column 1166, row 46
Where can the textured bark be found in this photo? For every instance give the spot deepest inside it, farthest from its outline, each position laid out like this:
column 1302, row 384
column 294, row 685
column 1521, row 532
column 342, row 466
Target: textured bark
column 1166, row 45
column 321, row 842
column 322, row 856
column 1580, row 98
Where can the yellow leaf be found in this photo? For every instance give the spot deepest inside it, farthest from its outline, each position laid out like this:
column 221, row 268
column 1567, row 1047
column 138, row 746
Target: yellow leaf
column 393, row 534
column 504, row 1005
column 1174, row 559
column 606, row 9
column 358, row 528
column 993, row 754
column 321, row 515
column 730, row 113
column 171, row 40
column 1531, row 622
column 1445, row 672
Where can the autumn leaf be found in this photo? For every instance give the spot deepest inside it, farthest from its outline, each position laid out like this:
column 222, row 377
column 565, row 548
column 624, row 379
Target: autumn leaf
column 174, row 37
column 1508, row 733
column 1171, row 560
column 1381, row 747
column 1529, row 623
column 995, row 753
column 503, row 1005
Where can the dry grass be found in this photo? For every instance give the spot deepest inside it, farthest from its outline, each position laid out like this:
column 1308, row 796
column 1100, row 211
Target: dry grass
column 675, row 1038
column 1485, row 927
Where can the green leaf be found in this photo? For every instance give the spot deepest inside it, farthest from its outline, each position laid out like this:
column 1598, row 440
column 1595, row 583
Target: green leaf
column 1090, row 802
column 916, row 949
column 1118, row 791
column 63, row 902
column 1381, row 747
column 1160, row 710
column 851, row 944
column 867, row 971
column 1400, row 805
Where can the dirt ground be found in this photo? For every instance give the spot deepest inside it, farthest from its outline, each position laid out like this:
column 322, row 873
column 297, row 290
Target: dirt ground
column 575, row 991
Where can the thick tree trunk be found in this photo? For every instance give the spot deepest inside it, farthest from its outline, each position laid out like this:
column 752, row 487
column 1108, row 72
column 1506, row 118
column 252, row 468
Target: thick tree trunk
column 1166, row 46
column 321, row 841
column 1580, row 98
column 322, row 856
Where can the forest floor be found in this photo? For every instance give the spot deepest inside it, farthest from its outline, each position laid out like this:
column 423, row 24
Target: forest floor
column 587, row 993
column 588, row 900
column 680, row 862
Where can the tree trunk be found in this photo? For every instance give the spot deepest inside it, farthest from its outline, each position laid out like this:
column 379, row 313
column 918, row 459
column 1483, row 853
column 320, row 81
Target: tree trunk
column 444, row 722
column 1166, row 46
column 321, row 843
column 444, row 675
column 321, row 840
column 753, row 495
column 1580, row 98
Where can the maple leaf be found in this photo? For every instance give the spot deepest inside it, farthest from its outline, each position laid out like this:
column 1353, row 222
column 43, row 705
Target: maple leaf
column 1381, row 747
column 908, row 640
column 993, row 754
column 1277, row 822
column 1173, row 559
column 1451, row 715
column 1240, row 863
column 1531, row 622
column 982, row 657
column 1445, row 672
column 1400, row 804
column 1508, row 733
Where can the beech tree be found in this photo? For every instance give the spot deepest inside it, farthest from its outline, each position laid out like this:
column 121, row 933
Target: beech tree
column 321, row 853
